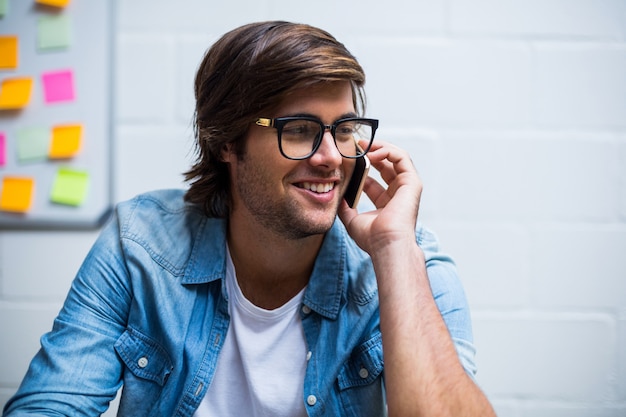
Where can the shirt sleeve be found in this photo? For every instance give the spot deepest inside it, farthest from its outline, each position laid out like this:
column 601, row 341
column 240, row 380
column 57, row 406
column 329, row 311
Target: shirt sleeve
column 76, row 371
column 449, row 296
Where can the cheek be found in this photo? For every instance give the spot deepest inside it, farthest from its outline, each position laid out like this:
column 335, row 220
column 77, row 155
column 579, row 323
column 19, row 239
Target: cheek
column 260, row 173
column 348, row 169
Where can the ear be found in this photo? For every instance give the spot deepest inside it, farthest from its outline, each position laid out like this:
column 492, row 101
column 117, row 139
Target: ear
column 227, row 153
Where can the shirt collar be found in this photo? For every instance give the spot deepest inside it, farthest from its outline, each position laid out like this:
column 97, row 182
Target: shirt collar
column 207, row 263
column 326, row 286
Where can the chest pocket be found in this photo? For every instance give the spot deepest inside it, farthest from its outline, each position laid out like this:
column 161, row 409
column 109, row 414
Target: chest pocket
column 364, row 366
column 144, row 357
column 360, row 380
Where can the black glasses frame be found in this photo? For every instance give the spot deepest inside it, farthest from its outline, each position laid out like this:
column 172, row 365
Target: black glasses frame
column 279, row 122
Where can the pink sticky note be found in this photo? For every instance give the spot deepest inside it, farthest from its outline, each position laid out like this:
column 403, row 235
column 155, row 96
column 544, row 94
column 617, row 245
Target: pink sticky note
column 3, row 152
column 58, row 86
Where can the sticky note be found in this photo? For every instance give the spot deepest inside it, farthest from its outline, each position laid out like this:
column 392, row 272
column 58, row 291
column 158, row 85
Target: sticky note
column 66, row 141
column 4, row 7
column 53, row 32
column 15, row 92
column 3, row 149
column 58, row 86
column 54, row 3
column 17, row 194
column 33, row 144
column 8, row 52
column 70, row 187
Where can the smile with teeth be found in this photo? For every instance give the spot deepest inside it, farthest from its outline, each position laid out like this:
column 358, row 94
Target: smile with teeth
column 317, row 187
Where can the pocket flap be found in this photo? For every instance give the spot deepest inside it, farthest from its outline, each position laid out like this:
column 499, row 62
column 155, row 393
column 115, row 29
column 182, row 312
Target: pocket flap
column 144, row 357
column 364, row 365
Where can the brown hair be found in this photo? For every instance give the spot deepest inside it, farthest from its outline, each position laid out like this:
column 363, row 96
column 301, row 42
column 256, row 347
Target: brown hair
column 247, row 72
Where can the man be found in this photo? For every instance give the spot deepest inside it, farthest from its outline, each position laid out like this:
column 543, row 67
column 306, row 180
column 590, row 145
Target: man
column 245, row 295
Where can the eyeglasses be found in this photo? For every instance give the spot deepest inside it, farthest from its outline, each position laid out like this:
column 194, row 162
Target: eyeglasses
column 300, row 137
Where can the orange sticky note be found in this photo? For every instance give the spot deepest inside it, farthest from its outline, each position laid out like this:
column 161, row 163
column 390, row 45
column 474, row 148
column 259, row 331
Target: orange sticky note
column 15, row 92
column 66, row 141
column 17, row 194
column 8, row 52
column 54, row 3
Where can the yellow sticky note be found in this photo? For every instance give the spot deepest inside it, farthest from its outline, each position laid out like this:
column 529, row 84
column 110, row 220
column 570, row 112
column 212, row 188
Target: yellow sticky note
column 54, row 3
column 8, row 52
column 15, row 92
column 70, row 187
column 17, row 194
column 66, row 141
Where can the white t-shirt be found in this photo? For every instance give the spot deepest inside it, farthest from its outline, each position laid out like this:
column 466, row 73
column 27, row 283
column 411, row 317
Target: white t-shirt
column 260, row 369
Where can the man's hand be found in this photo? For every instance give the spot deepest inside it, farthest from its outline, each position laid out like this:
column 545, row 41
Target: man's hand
column 423, row 374
column 397, row 205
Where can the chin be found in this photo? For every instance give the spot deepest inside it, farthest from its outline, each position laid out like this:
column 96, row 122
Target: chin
column 307, row 228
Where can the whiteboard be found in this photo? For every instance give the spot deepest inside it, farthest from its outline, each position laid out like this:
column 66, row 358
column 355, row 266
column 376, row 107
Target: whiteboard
column 88, row 55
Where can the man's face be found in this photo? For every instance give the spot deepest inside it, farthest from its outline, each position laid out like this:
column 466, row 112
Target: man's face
column 293, row 199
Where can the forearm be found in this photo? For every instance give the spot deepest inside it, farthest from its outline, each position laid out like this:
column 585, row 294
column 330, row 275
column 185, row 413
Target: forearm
column 77, row 372
column 423, row 374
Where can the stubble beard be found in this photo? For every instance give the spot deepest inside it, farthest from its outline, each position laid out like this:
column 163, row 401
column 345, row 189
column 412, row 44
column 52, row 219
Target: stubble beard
column 283, row 217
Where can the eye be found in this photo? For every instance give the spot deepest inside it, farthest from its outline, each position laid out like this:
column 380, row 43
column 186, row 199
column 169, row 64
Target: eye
column 346, row 131
column 300, row 129
column 295, row 129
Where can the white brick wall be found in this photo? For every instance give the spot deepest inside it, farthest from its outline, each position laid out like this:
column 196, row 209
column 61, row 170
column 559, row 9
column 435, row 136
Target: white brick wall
column 514, row 113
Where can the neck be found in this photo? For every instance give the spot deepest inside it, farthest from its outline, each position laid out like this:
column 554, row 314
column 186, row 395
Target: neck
column 271, row 269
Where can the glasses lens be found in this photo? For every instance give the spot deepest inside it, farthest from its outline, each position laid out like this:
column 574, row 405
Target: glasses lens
column 298, row 137
column 349, row 133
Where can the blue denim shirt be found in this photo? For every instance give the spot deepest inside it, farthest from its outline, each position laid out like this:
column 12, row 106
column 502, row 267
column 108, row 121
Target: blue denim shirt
column 147, row 310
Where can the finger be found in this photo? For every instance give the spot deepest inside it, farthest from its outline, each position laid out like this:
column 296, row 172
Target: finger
column 386, row 170
column 390, row 160
column 376, row 192
column 400, row 161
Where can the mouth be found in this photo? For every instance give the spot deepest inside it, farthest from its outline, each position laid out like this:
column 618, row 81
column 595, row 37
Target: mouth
column 318, row 188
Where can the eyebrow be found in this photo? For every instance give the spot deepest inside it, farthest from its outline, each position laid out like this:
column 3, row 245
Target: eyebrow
column 343, row 116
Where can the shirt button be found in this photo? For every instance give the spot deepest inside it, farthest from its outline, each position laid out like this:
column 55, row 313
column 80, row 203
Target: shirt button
column 363, row 373
column 308, row 355
column 311, row 400
column 306, row 309
column 142, row 362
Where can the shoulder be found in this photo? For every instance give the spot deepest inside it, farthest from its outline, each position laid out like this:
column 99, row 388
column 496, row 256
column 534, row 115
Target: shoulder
column 429, row 243
column 440, row 266
column 446, row 285
column 157, row 202
column 155, row 211
column 361, row 286
column 166, row 227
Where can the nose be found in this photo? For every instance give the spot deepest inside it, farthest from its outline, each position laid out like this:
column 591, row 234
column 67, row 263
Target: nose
column 327, row 154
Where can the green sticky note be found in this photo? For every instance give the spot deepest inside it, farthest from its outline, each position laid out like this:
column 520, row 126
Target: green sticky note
column 4, row 7
column 70, row 187
column 33, row 144
column 54, row 32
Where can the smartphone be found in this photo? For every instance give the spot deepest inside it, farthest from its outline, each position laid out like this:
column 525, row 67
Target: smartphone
column 357, row 181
